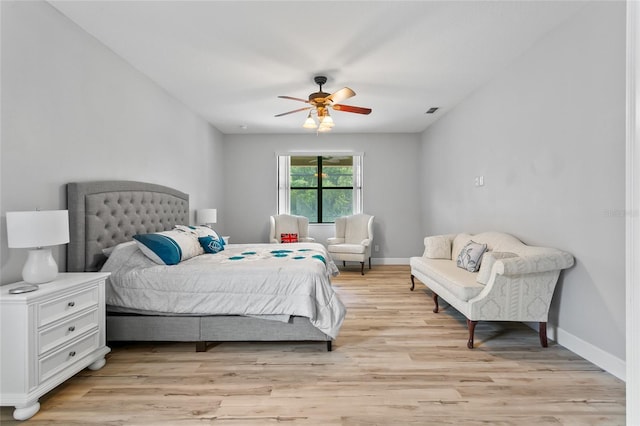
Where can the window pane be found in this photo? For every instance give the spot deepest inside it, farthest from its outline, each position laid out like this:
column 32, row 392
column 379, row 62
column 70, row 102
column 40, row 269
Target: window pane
column 336, row 203
column 304, row 176
column 304, row 202
column 337, row 171
column 304, row 172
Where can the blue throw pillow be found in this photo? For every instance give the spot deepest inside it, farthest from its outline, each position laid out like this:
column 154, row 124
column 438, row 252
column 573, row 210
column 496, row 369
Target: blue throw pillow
column 169, row 247
column 211, row 244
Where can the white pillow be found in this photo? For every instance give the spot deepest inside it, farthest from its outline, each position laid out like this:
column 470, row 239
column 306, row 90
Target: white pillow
column 459, row 242
column 437, row 247
column 169, row 247
column 107, row 251
column 209, row 239
column 470, row 256
column 488, row 260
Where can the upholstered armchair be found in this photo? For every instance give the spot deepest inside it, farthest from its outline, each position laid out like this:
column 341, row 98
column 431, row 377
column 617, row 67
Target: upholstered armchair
column 290, row 225
column 354, row 235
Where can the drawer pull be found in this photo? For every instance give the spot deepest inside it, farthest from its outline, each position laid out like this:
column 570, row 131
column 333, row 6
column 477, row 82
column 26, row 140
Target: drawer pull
column 72, row 328
column 71, row 304
column 72, row 353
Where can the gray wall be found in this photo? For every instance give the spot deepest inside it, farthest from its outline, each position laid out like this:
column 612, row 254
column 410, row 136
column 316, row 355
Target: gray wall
column 74, row 111
column 390, row 185
column 548, row 135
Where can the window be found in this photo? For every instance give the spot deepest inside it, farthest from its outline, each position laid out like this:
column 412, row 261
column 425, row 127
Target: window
column 320, row 187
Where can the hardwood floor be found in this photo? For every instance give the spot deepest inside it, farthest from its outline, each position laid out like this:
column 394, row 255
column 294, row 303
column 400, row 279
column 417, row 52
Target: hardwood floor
column 394, row 363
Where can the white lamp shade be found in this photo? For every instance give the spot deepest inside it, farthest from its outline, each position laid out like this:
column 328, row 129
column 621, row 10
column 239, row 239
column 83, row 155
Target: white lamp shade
column 37, row 228
column 309, row 123
column 207, row 216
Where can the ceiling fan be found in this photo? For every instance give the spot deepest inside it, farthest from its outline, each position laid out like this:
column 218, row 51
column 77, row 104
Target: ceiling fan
column 320, row 102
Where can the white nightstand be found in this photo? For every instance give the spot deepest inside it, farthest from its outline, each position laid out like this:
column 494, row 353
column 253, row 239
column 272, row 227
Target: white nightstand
column 49, row 335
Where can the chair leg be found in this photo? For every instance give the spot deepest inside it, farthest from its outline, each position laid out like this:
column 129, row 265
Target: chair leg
column 413, row 283
column 435, row 300
column 362, row 268
column 472, row 328
column 542, row 330
column 344, row 263
column 369, row 262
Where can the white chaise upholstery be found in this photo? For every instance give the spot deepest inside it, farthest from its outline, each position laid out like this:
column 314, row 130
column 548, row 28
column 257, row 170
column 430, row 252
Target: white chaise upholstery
column 515, row 281
column 353, row 238
column 289, row 224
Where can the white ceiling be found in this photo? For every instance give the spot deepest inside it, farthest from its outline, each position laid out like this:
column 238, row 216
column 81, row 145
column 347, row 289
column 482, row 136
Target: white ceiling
column 229, row 60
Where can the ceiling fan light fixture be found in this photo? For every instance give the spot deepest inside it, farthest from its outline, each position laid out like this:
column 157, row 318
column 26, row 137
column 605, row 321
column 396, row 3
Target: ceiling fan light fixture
column 309, row 123
column 327, row 121
column 319, row 103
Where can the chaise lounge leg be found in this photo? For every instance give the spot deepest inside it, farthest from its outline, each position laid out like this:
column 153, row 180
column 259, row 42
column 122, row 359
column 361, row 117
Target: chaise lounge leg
column 369, row 262
column 201, row 346
column 542, row 330
column 329, row 347
column 413, row 283
column 362, row 268
column 472, row 328
column 344, row 263
column 435, row 300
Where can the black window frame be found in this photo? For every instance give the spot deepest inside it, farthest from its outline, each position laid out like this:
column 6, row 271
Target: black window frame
column 319, row 188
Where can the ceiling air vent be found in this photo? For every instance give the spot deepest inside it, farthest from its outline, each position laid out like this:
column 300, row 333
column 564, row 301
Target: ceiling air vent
column 431, row 110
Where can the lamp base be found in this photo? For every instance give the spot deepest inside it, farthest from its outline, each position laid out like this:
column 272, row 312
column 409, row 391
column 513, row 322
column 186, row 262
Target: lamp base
column 40, row 267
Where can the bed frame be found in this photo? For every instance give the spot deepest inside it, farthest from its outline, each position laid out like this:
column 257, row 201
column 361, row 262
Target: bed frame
column 105, row 213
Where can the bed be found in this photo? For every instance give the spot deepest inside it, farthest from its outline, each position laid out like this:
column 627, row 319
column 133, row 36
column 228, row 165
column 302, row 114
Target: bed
column 107, row 214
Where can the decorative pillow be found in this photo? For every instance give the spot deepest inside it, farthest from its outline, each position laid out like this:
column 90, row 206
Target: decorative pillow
column 211, row 244
column 189, row 229
column 209, row 239
column 437, row 247
column 488, row 259
column 288, row 238
column 471, row 256
column 169, row 247
column 459, row 242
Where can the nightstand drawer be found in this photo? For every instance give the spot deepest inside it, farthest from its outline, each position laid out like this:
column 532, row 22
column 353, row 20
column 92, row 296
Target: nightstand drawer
column 66, row 356
column 51, row 337
column 67, row 305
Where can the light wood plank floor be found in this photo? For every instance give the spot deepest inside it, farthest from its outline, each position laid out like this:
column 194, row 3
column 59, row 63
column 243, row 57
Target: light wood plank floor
column 394, row 363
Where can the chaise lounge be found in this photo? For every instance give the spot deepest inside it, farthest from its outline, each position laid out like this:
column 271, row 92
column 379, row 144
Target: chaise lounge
column 510, row 281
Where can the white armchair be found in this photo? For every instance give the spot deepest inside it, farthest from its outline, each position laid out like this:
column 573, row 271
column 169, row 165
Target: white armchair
column 289, row 224
column 354, row 235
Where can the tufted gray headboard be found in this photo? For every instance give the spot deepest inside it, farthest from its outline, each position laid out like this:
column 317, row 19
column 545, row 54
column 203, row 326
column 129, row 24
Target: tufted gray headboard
column 105, row 213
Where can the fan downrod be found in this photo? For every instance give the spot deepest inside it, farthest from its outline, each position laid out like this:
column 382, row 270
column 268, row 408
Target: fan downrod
column 318, row 98
column 320, row 80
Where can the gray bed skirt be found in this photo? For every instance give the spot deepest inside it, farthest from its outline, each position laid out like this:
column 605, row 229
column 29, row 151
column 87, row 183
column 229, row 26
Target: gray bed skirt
column 218, row 328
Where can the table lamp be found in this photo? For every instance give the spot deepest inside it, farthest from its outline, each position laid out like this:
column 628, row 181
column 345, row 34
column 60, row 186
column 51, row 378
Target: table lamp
column 207, row 216
column 38, row 230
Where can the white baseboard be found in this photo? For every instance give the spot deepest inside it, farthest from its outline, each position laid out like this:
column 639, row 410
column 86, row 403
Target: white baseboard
column 611, row 364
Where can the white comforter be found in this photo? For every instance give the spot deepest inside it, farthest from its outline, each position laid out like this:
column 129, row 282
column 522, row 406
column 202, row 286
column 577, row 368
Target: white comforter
column 244, row 279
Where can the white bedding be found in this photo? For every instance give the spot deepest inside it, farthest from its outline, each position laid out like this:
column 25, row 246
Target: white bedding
column 244, row 279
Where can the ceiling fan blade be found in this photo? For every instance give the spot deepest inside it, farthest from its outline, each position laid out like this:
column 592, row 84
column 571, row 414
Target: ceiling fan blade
column 341, row 95
column 294, row 99
column 349, row 108
column 291, row 112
